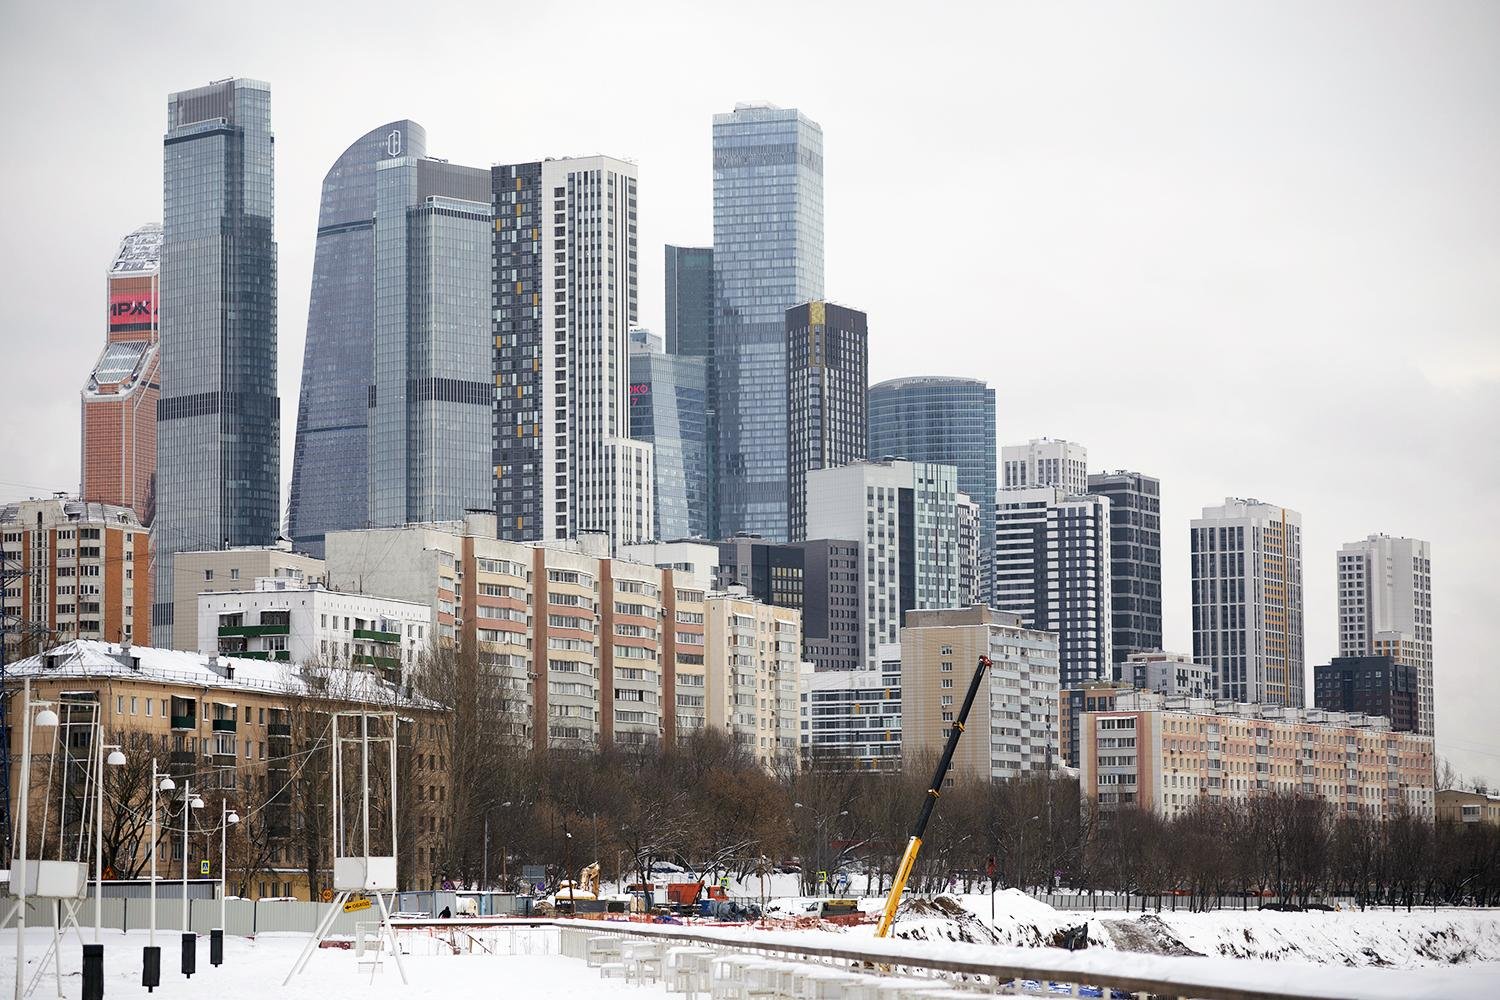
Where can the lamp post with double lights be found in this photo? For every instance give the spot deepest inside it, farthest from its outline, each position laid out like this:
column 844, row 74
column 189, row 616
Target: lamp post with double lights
column 151, row 957
column 46, row 718
column 227, row 817
column 189, row 939
column 116, row 759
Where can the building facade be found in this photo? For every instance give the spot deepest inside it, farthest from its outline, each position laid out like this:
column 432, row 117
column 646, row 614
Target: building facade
column 119, row 399
column 1374, row 685
column 1052, row 567
column 430, row 399
column 565, row 299
column 1167, row 754
column 1091, row 696
column 1247, row 601
column 971, row 574
column 690, row 301
column 669, row 411
column 1045, row 462
column 768, row 256
column 1013, row 725
column 1457, row 806
column 904, row 515
column 218, row 436
column 1169, row 673
column 852, row 716
column 73, row 570
column 753, row 667
column 949, row 421
column 330, row 460
column 827, row 359
column 1134, row 560
column 238, row 728
column 227, row 570
column 1385, row 606
column 819, row 578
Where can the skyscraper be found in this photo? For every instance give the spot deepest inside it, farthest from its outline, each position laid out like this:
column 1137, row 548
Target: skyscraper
column 768, row 256
column 430, row 398
column 119, row 398
column 1385, row 607
column 951, row 421
column 690, row 301
column 669, row 411
column 828, row 364
column 1247, row 600
column 1045, row 462
column 1052, row 567
column 218, row 474
column 331, row 462
column 564, row 302
column 1134, row 558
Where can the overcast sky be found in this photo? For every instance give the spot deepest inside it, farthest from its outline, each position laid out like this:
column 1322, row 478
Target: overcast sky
column 1250, row 249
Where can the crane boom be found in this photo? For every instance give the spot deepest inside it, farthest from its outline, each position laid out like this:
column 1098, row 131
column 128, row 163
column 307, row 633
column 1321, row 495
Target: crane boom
column 909, row 858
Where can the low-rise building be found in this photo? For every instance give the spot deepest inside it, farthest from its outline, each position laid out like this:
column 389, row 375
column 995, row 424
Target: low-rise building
column 1168, row 673
column 1165, row 754
column 239, row 728
column 225, row 570
column 1457, row 806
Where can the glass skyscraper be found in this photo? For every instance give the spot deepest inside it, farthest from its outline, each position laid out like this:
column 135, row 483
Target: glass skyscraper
column 218, row 418
column 946, row 420
column 669, row 409
column 768, row 257
column 1135, row 560
column 828, row 377
column 431, row 398
column 690, row 301
column 330, row 463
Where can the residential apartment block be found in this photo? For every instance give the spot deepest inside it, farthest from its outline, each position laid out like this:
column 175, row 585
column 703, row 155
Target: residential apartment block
column 1385, row 607
column 1134, row 560
column 1374, row 685
column 853, row 716
column 827, row 367
column 222, row 570
column 1168, row 673
column 819, row 578
column 751, row 684
column 1045, row 462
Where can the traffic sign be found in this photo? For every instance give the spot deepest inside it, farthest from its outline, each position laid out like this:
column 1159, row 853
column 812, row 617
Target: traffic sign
column 327, row 895
column 203, row 868
column 356, row 904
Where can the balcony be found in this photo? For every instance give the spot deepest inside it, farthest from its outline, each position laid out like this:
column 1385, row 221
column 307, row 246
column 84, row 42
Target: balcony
column 383, row 662
column 279, row 729
column 252, row 631
column 184, row 722
column 374, row 635
column 279, row 655
column 182, row 757
column 225, row 726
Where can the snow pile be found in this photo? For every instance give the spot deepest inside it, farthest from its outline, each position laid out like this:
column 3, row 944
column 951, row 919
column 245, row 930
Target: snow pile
column 1019, row 921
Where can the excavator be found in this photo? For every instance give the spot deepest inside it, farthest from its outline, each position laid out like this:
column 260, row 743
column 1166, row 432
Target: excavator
column 913, row 845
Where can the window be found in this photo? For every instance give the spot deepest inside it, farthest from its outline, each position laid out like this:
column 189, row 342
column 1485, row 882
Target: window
column 208, row 574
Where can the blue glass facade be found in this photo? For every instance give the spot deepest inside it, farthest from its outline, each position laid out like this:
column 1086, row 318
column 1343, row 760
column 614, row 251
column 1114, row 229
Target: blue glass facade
column 218, row 417
column 946, row 420
column 330, row 463
column 669, row 409
column 768, row 257
column 690, row 301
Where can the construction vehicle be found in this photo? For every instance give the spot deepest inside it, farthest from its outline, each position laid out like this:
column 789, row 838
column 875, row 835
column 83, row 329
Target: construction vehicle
column 909, row 858
column 684, row 897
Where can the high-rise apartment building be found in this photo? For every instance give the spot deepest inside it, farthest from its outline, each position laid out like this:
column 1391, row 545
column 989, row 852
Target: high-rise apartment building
column 904, row 515
column 768, row 256
column 819, row 578
column 853, row 715
column 1374, row 685
column 1247, row 601
column 430, row 400
column 753, row 663
column 1168, row 673
column 331, row 460
column 564, row 302
column 1012, row 728
column 1045, row 462
column 1052, row 568
column 1134, row 559
column 218, row 437
column 73, row 570
column 119, row 398
column 971, row 574
column 827, row 360
column 950, row 421
column 669, row 411
column 1385, row 607
column 690, row 301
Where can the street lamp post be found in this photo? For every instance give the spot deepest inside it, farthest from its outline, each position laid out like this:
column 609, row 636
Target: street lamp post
column 227, row 817
column 46, row 717
column 189, row 939
column 116, row 759
column 151, row 957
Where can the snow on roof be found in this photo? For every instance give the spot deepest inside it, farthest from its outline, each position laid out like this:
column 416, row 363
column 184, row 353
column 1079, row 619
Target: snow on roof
column 87, row 658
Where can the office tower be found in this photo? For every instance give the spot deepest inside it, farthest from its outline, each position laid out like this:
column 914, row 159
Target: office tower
column 565, row 300
column 1385, row 606
column 75, row 570
column 1045, row 462
column 690, row 301
column 1013, row 728
column 119, row 399
column 905, row 517
column 1247, row 600
column 1052, row 567
column 430, row 400
column 218, row 431
column 768, row 256
column 226, row 570
column 669, row 411
column 820, row 578
column 330, row 459
column 752, row 671
column 827, row 359
column 1139, row 754
column 951, row 421
column 1374, row 685
column 1134, row 559
column 970, row 571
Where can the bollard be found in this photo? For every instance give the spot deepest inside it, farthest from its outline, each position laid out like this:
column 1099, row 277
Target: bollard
column 216, row 947
column 151, row 968
column 189, row 954
column 93, row 972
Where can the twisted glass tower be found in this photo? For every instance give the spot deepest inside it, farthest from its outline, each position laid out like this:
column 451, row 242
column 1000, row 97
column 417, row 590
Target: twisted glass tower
column 330, row 463
column 218, row 417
